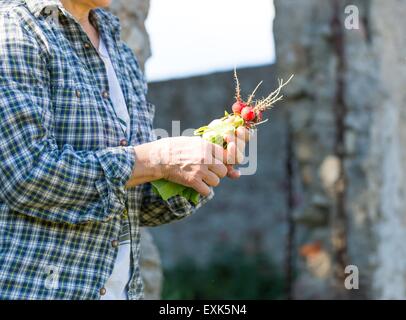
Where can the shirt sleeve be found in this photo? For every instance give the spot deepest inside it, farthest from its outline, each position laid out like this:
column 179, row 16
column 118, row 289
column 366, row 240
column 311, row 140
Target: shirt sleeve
column 155, row 211
column 38, row 178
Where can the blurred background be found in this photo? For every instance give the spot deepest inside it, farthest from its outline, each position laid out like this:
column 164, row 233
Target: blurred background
column 324, row 216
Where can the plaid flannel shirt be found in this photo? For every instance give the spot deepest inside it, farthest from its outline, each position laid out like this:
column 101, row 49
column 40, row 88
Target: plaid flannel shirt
column 63, row 156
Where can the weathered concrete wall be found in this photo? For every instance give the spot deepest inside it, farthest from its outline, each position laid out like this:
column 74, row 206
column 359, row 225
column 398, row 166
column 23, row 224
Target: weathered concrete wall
column 386, row 176
column 346, row 114
column 132, row 14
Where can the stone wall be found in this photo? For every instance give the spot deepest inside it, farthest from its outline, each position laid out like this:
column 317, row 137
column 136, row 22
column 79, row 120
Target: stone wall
column 132, row 14
column 346, row 113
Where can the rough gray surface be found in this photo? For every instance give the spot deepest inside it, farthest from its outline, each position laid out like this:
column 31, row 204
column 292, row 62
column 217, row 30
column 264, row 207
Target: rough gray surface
column 132, row 14
column 374, row 77
column 386, row 174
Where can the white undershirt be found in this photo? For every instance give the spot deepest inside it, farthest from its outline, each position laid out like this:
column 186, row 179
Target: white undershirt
column 116, row 285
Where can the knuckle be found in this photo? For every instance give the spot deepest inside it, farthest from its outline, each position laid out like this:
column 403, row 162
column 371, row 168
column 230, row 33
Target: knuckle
column 192, row 180
column 216, row 182
column 205, row 191
column 195, row 177
column 200, row 171
column 195, row 185
column 223, row 171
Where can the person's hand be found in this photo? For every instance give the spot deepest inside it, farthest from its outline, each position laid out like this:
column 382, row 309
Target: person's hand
column 192, row 162
column 235, row 151
column 189, row 161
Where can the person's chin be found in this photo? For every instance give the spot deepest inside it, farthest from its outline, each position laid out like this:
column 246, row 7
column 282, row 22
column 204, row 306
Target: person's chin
column 103, row 3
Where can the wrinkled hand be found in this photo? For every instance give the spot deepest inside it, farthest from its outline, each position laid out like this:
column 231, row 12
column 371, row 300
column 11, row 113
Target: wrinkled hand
column 189, row 161
column 192, row 162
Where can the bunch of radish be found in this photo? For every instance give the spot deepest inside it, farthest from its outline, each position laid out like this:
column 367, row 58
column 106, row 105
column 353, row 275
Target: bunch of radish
column 246, row 113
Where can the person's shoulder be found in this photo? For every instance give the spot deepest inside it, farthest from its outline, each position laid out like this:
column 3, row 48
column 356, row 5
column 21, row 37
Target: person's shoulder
column 12, row 7
column 14, row 12
column 6, row 5
column 19, row 28
column 11, row 18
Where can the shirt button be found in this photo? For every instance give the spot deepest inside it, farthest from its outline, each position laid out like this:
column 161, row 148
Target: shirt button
column 77, row 92
column 87, row 45
column 103, row 291
column 123, row 142
column 109, row 218
column 105, row 94
column 114, row 243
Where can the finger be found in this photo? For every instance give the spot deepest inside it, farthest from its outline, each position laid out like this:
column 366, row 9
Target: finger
column 233, row 173
column 201, row 187
column 219, row 169
column 211, row 179
column 243, row 134
column 239, row 138
column 218, row 153
column 231, row 153
column 240, row 145
column 234, row 155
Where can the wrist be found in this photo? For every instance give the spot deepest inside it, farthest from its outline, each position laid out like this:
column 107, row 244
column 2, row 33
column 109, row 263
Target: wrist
column 146, row 160
column 145, row 169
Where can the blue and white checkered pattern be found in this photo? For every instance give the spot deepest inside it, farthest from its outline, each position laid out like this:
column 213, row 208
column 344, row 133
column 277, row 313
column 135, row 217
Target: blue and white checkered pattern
column 62, row 171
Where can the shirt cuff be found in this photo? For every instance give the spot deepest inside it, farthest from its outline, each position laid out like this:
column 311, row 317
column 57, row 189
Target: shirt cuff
column 181, row 207
column 117, row 164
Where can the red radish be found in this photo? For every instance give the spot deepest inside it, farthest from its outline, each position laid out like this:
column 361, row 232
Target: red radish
column 259, row 116
column 248, row 114
column 238, row 106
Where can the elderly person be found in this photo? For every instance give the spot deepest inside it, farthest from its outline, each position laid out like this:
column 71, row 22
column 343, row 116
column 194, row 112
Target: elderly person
column 76, row 142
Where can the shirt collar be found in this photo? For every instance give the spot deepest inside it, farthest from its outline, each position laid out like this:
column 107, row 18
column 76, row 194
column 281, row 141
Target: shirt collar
column 37, row 6
column 100, row 16
column 106, row 20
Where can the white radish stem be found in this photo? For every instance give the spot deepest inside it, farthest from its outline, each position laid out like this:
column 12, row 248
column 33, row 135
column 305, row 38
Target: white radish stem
column 253, row 93
column 237, row 86
column 274, row 97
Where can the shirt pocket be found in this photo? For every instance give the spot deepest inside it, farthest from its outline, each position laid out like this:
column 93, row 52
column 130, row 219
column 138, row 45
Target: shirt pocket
column 77, row 119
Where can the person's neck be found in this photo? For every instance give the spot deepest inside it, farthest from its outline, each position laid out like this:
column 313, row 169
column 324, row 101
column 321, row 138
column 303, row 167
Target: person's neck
column 77, row 9
column 81, row 13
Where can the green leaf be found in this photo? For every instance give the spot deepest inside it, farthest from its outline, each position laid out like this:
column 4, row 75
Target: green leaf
column 194, row 197
column 167, row 189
